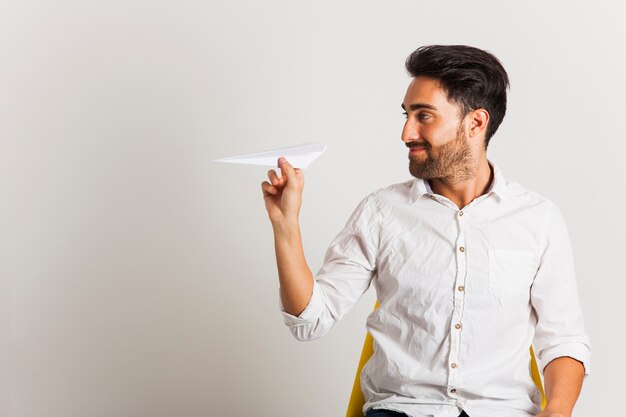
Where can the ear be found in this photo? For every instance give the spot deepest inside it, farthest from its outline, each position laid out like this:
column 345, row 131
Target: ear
column 478, row 120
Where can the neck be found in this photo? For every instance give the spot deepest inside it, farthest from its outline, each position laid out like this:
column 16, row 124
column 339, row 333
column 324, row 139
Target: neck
column 462, row 191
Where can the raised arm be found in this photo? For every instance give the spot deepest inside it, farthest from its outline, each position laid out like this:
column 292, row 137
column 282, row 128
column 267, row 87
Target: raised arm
column 283, row 199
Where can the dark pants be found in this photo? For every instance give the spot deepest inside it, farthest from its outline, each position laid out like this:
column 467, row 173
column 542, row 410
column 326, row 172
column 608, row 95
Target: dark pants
column 389, row 413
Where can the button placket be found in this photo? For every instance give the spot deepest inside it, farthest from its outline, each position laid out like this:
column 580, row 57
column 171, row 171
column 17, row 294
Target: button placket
column 459, row 299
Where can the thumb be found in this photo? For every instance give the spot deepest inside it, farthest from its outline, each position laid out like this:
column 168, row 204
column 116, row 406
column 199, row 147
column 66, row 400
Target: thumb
column 286, row 169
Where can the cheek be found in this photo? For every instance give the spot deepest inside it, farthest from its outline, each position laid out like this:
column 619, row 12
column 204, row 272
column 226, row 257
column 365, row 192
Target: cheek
column 441, row 134
column 432, row 134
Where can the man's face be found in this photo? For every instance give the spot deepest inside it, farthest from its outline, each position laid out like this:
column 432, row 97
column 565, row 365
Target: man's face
column 435, row 134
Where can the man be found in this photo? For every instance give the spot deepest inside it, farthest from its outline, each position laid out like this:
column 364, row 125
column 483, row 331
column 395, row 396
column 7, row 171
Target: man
column 469, row 267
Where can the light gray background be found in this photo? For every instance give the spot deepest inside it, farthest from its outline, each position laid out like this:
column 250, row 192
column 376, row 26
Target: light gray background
column 138, row 277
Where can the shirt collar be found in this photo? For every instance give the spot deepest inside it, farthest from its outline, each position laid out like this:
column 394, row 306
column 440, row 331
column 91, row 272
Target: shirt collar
column 498, row 186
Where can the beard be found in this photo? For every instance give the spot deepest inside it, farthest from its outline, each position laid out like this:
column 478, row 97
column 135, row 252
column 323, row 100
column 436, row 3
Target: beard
column 452, row 161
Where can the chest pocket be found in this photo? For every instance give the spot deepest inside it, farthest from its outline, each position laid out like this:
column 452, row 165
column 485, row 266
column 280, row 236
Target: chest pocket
column 511, row 273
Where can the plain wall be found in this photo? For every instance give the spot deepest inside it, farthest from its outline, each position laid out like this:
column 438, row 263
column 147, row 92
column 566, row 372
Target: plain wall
column 138, row 277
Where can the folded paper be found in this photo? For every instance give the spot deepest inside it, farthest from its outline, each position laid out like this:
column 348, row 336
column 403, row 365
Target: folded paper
column 299, row 156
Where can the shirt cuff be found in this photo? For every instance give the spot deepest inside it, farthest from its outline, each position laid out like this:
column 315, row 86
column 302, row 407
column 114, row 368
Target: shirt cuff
column 576, row 350
column 310, row 314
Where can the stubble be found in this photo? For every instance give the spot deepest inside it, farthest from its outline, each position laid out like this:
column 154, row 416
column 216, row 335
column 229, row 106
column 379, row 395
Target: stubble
column 451, row 161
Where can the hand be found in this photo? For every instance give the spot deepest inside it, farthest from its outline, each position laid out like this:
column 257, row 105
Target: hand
column 283, row 196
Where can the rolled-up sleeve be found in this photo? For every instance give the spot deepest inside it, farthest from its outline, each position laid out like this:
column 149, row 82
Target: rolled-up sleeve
column 347, row 271
column 554, row 296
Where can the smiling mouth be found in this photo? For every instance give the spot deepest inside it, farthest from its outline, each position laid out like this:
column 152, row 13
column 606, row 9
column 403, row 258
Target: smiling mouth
column 416, row 149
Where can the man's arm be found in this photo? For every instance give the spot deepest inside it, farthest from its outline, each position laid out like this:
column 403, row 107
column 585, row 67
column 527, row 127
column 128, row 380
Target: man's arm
column 294, row 274
column 310, row 305
column 563, row 379
column 283, row 199
column 561, row 342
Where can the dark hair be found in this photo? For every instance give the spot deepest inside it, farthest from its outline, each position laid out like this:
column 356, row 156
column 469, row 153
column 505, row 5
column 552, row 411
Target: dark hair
column 471, row 77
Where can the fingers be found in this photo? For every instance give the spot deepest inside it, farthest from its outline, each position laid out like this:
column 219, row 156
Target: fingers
column 268, row 189
column 293, row 177
column 287, row 170
column 274, row 180
column 275, row 184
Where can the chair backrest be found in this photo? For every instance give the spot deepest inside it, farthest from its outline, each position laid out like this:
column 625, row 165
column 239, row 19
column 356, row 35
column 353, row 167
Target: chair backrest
column 355, row 406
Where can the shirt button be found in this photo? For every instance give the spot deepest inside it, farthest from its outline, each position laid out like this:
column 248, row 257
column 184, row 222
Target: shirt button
column 461, row 288
column 462, row 249
column 453, row 365
column 460, row 213
column 453, row 390
column 458, row 325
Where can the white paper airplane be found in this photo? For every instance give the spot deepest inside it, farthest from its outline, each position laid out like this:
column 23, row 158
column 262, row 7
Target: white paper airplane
column 299, row 156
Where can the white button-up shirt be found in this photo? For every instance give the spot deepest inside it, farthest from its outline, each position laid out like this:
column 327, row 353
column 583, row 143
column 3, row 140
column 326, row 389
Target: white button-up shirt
column 463, row 294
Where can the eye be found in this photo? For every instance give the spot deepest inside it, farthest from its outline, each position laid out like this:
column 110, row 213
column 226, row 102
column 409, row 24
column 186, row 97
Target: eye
column 420, row 116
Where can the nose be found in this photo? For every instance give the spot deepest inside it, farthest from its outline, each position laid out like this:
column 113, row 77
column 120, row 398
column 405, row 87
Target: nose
column 409, row 131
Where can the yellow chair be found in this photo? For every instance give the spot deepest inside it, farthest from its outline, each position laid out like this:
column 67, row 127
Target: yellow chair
column 355, row 407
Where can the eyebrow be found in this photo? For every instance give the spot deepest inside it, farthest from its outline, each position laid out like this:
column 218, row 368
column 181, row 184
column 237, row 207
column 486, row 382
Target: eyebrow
column 416, row 106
